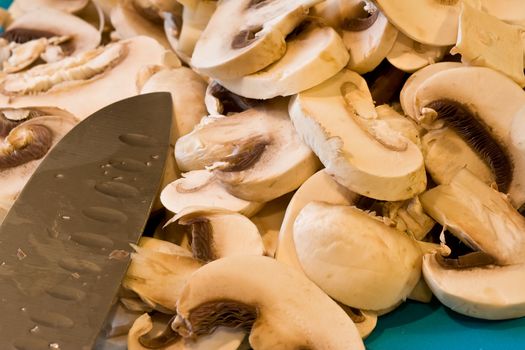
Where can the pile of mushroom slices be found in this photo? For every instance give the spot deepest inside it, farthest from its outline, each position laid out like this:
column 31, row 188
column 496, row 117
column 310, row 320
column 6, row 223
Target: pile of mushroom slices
column 315, row 184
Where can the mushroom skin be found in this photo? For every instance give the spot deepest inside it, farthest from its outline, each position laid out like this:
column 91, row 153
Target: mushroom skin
column 317, row 322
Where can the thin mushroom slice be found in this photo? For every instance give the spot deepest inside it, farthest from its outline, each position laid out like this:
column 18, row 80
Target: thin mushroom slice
column 482, row 116
column 488, row 292
column 313, row 55
column 201, row 188
column 355, row 257
column 479, row 216
column 256, row 154
column 228, row 293
column 338, row 120
column 217, row 233
column 245, row 36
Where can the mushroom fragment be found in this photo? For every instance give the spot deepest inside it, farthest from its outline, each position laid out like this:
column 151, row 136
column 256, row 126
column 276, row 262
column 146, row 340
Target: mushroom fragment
column 221, row 101
column 355, row 257
column 208, row 300
column 19, row 7
column 337, row 119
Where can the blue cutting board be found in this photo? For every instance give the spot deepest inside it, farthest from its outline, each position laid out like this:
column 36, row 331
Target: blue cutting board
column 415, row 326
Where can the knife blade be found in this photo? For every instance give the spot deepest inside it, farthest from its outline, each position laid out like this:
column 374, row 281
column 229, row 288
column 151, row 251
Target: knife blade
column 64, row 245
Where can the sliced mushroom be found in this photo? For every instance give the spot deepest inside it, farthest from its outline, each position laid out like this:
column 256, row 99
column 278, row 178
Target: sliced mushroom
column 354, row 257
column 512, row 11
column 409, row 216
column 234, row 292
column 256, row 154
column 410, row 56
column 368, row 43
column 23, row 148
column 68, row 82
column 201, row 188
column 20, row 7
column 245, row 36
column 483, row 116
column 221, row 101
column 337, row 119
column 217, row 233
column 312, row 55
column 484, row 40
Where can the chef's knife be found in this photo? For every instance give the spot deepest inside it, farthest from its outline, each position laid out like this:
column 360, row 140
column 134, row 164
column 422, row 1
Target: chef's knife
column 64, row 245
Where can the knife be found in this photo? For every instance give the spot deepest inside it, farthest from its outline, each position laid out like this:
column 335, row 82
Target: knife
column 64, row 245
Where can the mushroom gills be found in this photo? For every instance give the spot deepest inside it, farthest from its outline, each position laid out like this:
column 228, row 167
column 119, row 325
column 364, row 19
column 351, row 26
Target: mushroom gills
column 221, row 101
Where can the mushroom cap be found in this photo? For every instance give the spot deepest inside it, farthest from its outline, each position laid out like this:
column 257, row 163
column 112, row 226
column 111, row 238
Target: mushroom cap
column 291, row 308
column 314, row 55
column 489, row 292
column 337, row 119
column 355, row 257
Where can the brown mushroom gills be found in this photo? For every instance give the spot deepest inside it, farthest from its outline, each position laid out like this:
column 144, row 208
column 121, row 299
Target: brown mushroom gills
column 245, row 155
column 245, row 37
column 231, row 102
column 367, row 19
column 159, row 340
column 23, row 35
column 202, row 243
column 24, row 145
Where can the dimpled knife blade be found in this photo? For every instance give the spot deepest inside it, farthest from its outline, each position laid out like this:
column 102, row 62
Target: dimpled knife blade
column 64, row 245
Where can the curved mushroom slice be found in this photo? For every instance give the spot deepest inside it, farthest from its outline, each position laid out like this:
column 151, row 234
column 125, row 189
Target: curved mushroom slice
column 355, row 257
column 221, row 339
column 256, row 154
column 47, row 23
column 489, row 292
column 221, row 101
column 187, row 90
column 19, row 7
column 208, row 301
column 483, row 116
column 407, row 97
column 312, row 56
column 129, row 23
column 67, row 83
column 410, row 56
column 446, row 153
column 217, row 233
column 369, row 39
column 201, row 188
column 23, row 148
column 431, row 22
column 337, row 119
column 245, row 36
column 480, row 216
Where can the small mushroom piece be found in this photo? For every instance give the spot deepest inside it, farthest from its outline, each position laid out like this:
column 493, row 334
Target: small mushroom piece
column 409, row 216
column 410, row 56
column 23, row 55
column 312, row 55
column 488, row 292
column 217, row 233
column 200, row 188
column 221, row 101
column 479, row 216
column 19, row 7
column 338, row 120
column 245, row 36
column 256, row 154
column 355, row 257
column 234, row 292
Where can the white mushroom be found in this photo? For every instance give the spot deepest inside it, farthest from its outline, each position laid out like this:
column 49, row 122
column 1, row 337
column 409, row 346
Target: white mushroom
column 337, row 119
column 291, row 312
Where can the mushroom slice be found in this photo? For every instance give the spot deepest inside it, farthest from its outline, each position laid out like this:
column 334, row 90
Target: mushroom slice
column 407, row 97
column 479, row 216
column 235, row 292
column 23, row 55
column 23, row 148
column 19, row 7
column 256, row 154
column 221, row 339
column 187, row 90
column 482, row 116
column 446, row 153
column 319, row 187
column 431, row 22
column 217, row 233
column 47, row 23
column 245, row 36
column 221, row 101
column 484, row 40
column 312, row 55
column 201, row 188
column 368, row 43
column 488, row 292
column 158, row 277
column 410, row 56
column 337, row 119
column 409, row 216
column 512, row 11
column 355, row 257
column 12, row 117
column 66, row 83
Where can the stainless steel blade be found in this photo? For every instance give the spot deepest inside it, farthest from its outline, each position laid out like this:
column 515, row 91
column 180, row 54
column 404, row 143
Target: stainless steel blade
column 64, row 246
